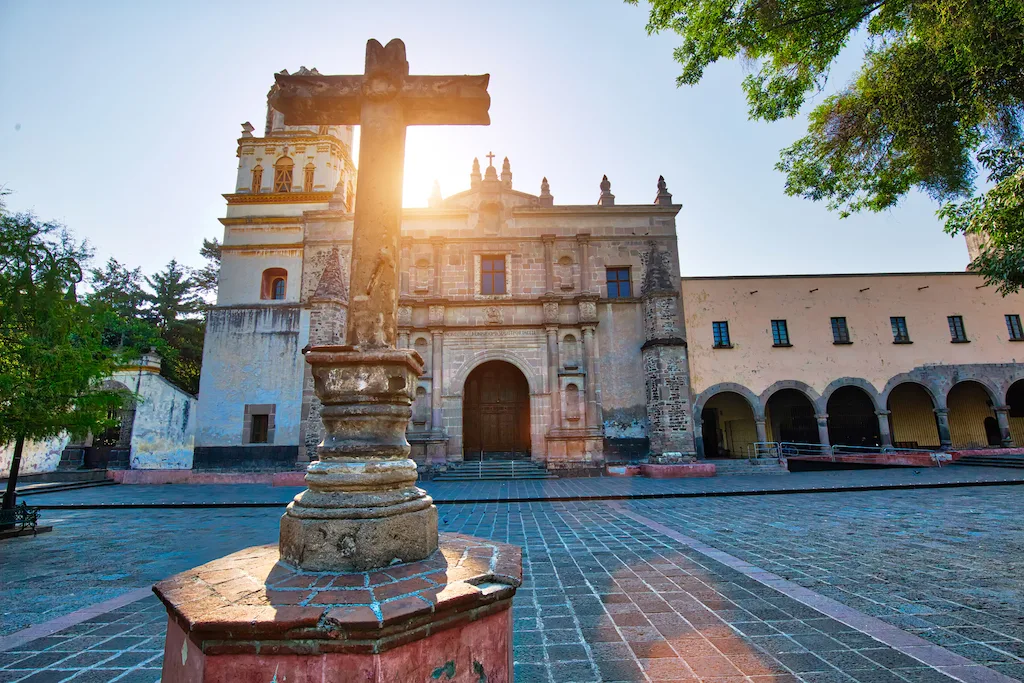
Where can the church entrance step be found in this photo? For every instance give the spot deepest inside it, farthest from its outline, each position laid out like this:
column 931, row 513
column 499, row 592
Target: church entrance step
column 993, row 460
column 725, row 467
column 495, row 470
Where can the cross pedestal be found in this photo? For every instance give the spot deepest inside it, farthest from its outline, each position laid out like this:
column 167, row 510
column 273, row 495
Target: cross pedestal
column 361, row 586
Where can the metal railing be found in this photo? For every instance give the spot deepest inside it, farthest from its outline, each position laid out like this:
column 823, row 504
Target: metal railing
column 788, row 449
column 19, row 518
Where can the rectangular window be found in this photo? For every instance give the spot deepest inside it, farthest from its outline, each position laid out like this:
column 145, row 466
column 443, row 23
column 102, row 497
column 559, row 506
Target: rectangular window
column 492, row 274
column 721, row 332
column 780, row 333
column 1013, row 327
column 899, row 330
column 307, row 180
column 283, row 179
column 840, row 332
column 618, row 283
column 260, row 429
column 956, row 329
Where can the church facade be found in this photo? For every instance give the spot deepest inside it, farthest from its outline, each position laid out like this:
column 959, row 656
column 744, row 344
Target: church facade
column 567, row 335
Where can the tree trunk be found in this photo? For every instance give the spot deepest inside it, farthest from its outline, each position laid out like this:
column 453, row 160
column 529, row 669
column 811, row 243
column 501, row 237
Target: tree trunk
column 12, row 481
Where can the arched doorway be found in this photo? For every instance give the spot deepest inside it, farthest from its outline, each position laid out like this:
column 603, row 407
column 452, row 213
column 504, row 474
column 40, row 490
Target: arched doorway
column 851, row 418
column 969, row 406
column 790, row 417
column 111, row 448
column 912, row 421
column 727, row 426
column 496, row 413
column 1015, row 400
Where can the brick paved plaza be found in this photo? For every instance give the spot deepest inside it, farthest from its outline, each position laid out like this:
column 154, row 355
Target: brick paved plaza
column 712, row 588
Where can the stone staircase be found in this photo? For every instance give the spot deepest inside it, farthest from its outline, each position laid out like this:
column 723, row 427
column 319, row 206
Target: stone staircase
column 1012, row 460
column 725, row 467
column 495, row 470
column 52, row 482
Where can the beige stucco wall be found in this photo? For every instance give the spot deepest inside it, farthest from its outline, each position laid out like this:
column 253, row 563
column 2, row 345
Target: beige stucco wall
column 807, row 303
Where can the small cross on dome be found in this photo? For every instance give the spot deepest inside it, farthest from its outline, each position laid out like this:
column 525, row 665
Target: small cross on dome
column 490, row 158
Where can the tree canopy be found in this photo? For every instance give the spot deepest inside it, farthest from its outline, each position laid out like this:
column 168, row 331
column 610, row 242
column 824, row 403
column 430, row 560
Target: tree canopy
column 939, row 93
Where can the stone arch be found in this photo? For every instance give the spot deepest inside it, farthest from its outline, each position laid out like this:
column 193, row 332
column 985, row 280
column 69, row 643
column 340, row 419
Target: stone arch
column 995, row 394
column 703, row 397
column 972, row 421
column 496, row 413
column 534, row 379
column 912, row 421
column 929, row 384
column 867, row 386
column 852, row 417
column 802, row 387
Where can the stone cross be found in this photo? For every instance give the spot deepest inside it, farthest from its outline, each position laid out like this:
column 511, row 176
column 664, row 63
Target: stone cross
column 363, row 510
column 383, row 101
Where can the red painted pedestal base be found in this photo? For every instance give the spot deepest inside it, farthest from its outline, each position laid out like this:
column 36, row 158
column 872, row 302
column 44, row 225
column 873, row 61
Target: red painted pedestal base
column 247, row 617
column 677, row 471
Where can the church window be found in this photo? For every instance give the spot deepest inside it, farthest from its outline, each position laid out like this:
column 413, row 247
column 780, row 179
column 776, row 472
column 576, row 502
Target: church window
column 257, row 179
column 618, row 283
column 1013, row 327
column 283, row 174
column 275, row 284
column 307, row 178
column 899, row 330
column 780, row 333
column 840, row 332
column 720, row 331
column 492, row 275
column 260, row 427
column 956, row 329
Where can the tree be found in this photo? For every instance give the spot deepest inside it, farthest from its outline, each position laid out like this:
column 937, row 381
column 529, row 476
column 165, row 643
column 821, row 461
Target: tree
column 940, row 90
column 120, row 303
column 175, row 309
column 207, row 276
column 52, row 358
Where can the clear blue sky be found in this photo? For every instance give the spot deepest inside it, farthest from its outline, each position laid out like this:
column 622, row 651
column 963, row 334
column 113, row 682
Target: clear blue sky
column 120, row 119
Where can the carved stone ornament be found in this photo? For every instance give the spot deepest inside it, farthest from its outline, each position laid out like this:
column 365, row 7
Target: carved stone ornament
column 405, row 316
column 588, row 311
column 435, row 315
column 495, row 315
column 551, row 312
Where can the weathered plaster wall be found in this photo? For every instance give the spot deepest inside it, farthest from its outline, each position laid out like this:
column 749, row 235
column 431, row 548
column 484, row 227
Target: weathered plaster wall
column 36, row 456
column 749, row 304
column 251, row 356
column 163, row 432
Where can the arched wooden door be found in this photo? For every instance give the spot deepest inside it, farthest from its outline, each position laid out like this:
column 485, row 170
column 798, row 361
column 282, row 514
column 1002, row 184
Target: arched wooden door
column 496, row 413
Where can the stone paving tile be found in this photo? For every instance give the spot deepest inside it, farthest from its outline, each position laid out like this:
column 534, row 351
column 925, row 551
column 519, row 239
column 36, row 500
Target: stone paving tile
column 605, row 598
column 946, row 565
column 572, row 487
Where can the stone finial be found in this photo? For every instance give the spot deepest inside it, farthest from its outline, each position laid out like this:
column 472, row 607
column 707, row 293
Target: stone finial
column 435, row 196
column 545, row 193
column 247, row 129
column 506, row 174
column 332, row 285
column 664, row 197
column 474, row 175
column 607, row 198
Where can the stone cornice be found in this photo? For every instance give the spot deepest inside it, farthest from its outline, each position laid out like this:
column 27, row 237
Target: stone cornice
column 590, row 210
column 260, row 247
column 279, row 198
column 262, row 220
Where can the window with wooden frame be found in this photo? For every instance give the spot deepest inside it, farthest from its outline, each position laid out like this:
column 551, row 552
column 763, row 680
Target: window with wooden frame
column 260, row 429
column 956, row 329
column 899, row 330
column 1013, row 327
column 780, row 333
column 283, row 171
column 307, row 178
column 618, row 283
column 257, row 179
column 840, row 332
column 275, row 284
column 492, row 274
column 720, row 332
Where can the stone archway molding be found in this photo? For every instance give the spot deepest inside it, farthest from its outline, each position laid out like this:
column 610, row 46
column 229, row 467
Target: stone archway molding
column 533, row 379
column 858, row 382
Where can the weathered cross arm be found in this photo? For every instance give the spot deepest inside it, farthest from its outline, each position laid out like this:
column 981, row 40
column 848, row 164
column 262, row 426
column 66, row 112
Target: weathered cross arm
column 426, row 100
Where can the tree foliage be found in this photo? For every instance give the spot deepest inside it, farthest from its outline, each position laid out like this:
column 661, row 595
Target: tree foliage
column 940, row 90
column 52, row 357
column 206, row 277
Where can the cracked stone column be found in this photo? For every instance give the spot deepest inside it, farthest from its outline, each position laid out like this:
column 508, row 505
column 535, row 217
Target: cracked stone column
column 942, row 423
column 1003, row 419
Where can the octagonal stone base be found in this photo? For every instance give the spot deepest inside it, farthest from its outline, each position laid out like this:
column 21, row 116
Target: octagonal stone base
column 249, row 617
column 358, row 544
